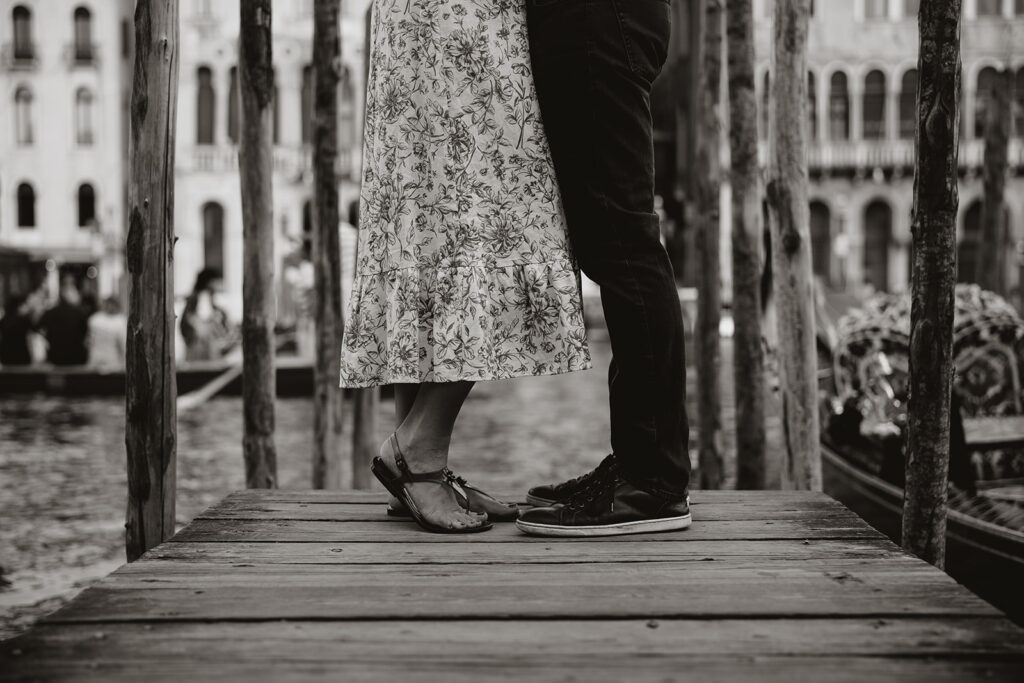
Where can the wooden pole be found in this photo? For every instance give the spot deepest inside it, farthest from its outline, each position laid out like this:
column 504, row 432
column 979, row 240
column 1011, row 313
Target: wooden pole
column 994, row 247
column 791, row 246
column 707, row 345
column 365, row 444
column 747, row 235
column 933, row 280
column 255, row 164
column 150, row 388
column 327, row 314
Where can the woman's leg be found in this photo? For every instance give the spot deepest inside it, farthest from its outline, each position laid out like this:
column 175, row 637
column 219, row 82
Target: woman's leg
column 405, row 396
column 425, row 437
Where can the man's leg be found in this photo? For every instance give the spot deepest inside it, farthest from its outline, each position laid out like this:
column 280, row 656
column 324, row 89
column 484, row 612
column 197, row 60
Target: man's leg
column 593, row 63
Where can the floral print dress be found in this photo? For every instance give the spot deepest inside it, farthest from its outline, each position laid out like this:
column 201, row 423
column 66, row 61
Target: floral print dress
column 464, row 269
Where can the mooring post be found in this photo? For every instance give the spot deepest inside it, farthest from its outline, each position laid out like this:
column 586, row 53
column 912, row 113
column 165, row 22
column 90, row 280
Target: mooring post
column 933, row 280
column 255, row 170
column 150, row 388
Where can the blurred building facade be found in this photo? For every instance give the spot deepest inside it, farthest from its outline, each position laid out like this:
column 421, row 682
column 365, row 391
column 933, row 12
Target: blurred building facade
column 208, row 213
column 63, row 146
column 65, row 71
column 862, row 80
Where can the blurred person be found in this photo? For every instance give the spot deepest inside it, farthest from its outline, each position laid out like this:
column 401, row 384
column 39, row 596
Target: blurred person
column 65, row 327
column 204, row 324
column 15, row 326
column 107, row 331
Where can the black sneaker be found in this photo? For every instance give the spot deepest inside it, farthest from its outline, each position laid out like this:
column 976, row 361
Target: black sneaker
column 609, row 507
column 549, row 494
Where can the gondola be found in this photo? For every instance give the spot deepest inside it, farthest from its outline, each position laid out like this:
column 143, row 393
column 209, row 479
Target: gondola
column 864, row 372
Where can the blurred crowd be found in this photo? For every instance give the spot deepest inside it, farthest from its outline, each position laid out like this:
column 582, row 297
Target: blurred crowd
column 72, row 330
column 75, row 330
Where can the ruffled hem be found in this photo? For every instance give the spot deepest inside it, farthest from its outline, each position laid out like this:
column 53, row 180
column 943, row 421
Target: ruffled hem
column 469, row 323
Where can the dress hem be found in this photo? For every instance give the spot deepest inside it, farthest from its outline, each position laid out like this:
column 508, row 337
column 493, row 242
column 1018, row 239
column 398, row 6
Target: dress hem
column 490, row 378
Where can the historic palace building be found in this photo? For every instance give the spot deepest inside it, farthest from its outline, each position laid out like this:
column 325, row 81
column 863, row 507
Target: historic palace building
column 65, row 71
column 63, row 138
column 208, row 213
column 862, row 80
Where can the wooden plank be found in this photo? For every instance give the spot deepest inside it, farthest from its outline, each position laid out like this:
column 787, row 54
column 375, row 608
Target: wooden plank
column 993, row 433
column 372, row 512
column 453, row 666
column 520, row 553
column 698, row 497
column 382, row 530
column 728, row 587
column 341, row 641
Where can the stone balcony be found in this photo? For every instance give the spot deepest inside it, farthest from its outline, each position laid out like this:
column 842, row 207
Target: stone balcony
column 862, row 156
column 294, row 164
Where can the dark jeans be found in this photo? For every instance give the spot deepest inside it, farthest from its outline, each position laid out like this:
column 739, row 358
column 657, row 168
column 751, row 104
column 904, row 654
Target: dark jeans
column 593, row 63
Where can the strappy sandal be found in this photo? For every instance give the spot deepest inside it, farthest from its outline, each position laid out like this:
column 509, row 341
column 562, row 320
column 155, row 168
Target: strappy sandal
column 471, row 498
column 395, row 484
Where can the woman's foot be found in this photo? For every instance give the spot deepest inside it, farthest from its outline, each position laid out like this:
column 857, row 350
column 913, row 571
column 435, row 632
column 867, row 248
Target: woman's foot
column 437, row 504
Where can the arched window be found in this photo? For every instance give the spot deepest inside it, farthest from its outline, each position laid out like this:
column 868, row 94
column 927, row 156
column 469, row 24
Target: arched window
column 876, row 9
column 277, row 112
column 908, row 104
column 821, row 241
column 766, row 103
column 812, row 108
column 307, row 231
column 838, row 108
column 877, row 238
column 347, row 113
column 987, row 80
column 22, row 20
column 26, row 206
column 874, row 106
column 23, row 115
column 83, row 35
column 307, row 104
column 205, row 106
column 83, row 117
column 1019, row 93
column 86, row 205
column 233, row 105
column 990, row 8
column 970, row 241
column 213, row 236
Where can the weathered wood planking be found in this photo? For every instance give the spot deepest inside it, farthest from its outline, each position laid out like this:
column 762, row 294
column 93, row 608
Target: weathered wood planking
column 320, row 586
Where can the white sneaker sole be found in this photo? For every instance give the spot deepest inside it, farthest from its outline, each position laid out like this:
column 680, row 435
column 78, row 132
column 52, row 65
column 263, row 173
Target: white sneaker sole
column 643, row 526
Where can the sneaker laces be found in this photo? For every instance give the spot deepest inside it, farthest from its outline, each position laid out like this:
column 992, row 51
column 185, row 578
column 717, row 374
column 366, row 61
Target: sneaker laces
column 598, row 493
column 588, row 478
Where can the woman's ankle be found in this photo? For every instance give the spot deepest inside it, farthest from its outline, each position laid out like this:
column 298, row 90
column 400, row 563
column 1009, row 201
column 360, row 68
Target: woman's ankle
column 423, row 454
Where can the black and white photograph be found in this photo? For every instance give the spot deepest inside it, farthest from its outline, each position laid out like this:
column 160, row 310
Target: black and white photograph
column 511, row 340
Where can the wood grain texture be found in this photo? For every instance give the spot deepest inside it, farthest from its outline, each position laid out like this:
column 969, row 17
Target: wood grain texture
column 150, row 382
column 321, row 586
column 933, row 280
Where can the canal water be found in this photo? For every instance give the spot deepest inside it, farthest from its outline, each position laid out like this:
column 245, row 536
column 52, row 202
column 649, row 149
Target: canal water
column 62, row 467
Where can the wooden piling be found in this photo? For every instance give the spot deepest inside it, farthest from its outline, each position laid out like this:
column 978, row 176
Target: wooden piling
column 255, row 165
column 791, row 246
column 150, row 388
column 327, row 313
column 933, row 280
column 748, row 353
column 995, row 243
column 708, row 239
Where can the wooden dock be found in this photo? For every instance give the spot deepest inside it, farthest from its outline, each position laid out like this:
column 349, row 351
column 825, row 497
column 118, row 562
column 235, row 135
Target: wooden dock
column 303, row 586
